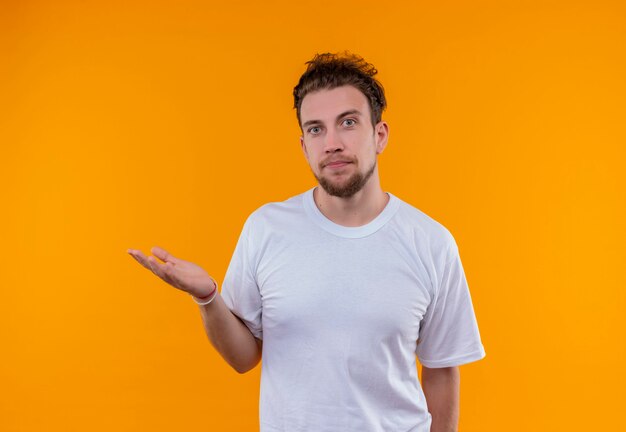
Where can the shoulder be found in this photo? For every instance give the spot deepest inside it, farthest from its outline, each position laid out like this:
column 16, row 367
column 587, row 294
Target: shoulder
column 424, row 229
column 274, row 214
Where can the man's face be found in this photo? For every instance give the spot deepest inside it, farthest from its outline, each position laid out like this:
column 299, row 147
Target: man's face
column 338, row 139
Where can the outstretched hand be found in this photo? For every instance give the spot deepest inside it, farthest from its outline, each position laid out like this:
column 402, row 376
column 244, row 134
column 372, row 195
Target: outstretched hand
column 184, row 275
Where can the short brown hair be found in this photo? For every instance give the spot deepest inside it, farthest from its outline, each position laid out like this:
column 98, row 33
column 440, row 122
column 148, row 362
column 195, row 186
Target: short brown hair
column 327, row 71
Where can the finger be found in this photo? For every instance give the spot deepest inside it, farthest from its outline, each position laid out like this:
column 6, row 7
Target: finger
column 164, row 271
column 163, row 255
column 140, row 257
column 156, row 268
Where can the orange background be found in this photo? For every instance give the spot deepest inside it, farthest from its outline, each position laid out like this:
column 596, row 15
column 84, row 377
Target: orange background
column 134, row 124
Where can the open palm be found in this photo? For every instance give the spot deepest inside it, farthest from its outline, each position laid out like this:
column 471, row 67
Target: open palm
column 181, row 274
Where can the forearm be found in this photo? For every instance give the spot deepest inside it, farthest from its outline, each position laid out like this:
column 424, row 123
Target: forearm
column 230, row 336
column 442, row 390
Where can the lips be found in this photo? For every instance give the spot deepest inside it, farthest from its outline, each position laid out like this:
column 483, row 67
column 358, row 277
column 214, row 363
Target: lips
column 337, row 163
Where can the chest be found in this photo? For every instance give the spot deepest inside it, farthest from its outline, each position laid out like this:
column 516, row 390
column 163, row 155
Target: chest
column 343, row 287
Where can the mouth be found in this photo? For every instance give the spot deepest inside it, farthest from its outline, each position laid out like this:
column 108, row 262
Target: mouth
column 337, row 164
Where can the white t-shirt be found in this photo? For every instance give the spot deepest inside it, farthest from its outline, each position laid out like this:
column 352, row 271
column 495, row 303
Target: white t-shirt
column 343, row 312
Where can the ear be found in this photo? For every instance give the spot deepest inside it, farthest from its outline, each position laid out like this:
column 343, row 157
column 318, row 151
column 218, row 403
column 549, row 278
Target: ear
column 381, row 133
column 303, row 145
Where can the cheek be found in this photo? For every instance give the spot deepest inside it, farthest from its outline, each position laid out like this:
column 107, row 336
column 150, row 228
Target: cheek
column 311, row 157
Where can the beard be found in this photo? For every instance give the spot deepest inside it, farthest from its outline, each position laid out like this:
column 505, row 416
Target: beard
column 351, row 186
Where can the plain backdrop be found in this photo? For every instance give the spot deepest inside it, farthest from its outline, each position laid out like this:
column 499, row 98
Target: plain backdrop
column 130, row 124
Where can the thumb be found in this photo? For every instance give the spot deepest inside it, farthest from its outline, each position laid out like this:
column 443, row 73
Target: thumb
column 163, row 255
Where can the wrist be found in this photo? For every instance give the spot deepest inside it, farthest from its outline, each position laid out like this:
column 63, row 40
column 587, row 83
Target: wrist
column 204, row 300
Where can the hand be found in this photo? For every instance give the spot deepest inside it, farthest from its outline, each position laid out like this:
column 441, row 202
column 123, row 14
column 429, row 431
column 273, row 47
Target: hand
column 184, row 275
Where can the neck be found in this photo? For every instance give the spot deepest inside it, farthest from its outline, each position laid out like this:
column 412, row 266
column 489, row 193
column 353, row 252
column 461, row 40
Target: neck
column 357, row 210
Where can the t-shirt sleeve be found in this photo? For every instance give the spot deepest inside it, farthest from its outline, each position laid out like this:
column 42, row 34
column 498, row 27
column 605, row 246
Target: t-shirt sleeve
column 239, row 289
column 449, row 333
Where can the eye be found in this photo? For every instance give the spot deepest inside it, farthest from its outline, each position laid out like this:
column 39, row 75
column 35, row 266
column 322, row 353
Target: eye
column 314, row 130
column 349, row 122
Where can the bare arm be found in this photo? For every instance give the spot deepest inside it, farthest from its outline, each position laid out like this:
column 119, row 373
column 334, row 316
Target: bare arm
column 442, row 390
column 230, row 336
column 227, row 333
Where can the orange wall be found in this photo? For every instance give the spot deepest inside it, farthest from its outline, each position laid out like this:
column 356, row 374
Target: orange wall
column 134, row 124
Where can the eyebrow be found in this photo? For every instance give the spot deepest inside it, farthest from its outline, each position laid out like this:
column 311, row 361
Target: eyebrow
column 343, row 114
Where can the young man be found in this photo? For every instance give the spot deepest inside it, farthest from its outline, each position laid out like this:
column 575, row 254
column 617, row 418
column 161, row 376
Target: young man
column 338, row 289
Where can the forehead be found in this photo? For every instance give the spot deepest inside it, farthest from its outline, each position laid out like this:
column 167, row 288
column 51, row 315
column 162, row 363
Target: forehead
column 326, row 104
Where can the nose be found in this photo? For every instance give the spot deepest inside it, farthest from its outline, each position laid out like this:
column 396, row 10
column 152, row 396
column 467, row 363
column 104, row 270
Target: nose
column 332, row 142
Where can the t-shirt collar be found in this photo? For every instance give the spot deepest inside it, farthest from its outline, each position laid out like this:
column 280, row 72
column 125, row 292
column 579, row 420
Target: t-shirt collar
column 349, row 232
